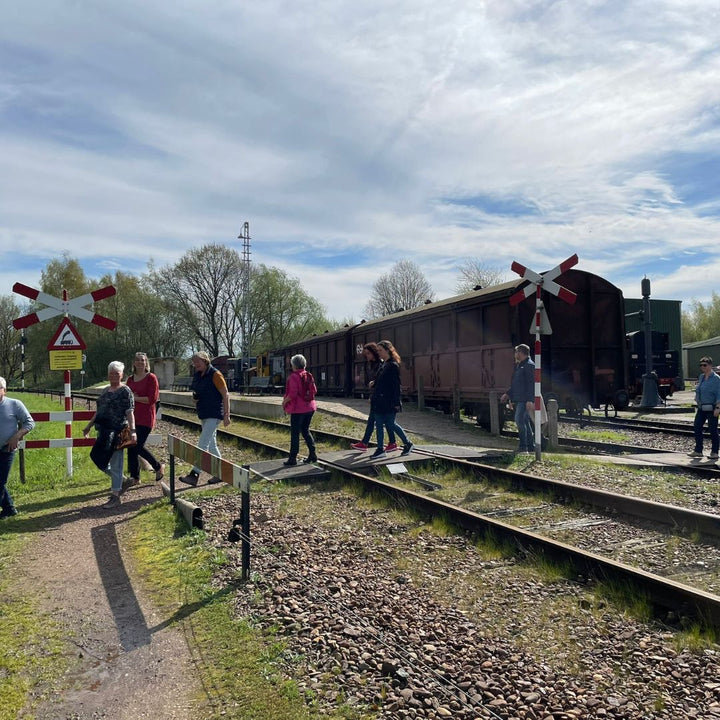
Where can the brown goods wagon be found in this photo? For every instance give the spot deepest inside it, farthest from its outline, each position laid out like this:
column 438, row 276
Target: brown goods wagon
column 328, row 359
column 462, row 347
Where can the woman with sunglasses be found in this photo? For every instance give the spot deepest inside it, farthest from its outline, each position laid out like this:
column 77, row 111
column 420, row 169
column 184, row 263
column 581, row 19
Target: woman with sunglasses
column 707, row 397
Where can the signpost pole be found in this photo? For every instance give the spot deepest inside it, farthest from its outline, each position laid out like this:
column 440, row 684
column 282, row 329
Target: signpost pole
column 68, row 406
column 538, row 373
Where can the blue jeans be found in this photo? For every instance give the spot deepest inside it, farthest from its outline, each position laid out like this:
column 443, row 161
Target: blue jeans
column 208, row 438
column 6, row 461
column 700, row 417
column 526, row 431
column 115, row 470
column 370, row 426
column 388, row 420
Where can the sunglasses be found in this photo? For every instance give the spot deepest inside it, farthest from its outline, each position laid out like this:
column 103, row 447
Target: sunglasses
column 704, row 364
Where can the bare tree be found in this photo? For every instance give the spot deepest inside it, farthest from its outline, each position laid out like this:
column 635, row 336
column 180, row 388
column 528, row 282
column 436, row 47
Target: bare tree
column 475, row 272
column 205, row 285
column 403, row 288
column 9, row 338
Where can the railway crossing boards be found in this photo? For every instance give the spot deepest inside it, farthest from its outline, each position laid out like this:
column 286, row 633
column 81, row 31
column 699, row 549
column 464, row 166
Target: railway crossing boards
column 538, row 283
column 57, row 306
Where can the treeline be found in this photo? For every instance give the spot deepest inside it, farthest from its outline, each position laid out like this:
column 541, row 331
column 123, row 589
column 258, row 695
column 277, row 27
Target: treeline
column 202, row 302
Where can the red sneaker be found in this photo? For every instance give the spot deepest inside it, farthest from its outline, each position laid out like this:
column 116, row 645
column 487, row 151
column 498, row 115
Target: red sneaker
column 359, row 446
column 391, row 447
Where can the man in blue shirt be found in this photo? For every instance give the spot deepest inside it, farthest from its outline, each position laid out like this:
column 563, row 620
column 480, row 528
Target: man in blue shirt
column 15, row 423
column 707, row 397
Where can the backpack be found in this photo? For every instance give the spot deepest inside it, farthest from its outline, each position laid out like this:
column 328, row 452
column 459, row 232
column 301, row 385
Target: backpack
column 308, row 389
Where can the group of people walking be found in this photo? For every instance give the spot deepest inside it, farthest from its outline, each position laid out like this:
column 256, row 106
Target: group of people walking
column 121, row 406
column 131, row 406
column 382, row 378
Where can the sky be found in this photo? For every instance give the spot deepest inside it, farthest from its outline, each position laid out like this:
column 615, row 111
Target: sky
column 353, row 135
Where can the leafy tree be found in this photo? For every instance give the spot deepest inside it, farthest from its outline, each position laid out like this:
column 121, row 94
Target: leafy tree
column 9, row 338
column 474, row 272
column 702, row 322
column 204, row 287
column 403, row 288
column 282, row 311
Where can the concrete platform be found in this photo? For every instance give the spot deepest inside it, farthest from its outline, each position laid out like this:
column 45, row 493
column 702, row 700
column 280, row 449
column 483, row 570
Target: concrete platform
column 658, row 459
column 275, row 470
column 466, row 452
column 356, row 460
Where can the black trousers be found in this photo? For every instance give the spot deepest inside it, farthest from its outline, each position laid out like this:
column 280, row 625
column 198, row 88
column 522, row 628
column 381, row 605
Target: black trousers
column 300, row 425
column 140, row 451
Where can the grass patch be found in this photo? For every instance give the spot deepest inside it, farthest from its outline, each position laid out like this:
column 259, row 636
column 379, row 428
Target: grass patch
column 234, row 660
column 626, row 598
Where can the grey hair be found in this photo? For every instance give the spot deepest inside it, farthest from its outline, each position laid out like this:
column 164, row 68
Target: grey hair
column 117, row 366
column 524, row 349
column 3, row 384
column 298, row 361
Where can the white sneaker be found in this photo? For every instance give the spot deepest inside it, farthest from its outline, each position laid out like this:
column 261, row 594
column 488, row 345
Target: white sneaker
column 695, row 453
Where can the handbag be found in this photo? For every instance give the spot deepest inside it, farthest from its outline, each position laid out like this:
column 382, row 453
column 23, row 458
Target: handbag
column 124, row 439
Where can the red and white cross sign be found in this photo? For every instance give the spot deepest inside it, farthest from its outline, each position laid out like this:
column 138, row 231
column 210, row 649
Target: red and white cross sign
column 537, row 284
column 58, row 306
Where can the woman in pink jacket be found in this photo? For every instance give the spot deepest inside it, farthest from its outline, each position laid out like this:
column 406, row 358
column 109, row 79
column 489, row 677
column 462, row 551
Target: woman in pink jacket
column 300, row 404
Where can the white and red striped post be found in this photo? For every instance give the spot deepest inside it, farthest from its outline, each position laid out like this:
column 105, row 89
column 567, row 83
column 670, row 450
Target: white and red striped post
column 68, row 408
column 538, row 372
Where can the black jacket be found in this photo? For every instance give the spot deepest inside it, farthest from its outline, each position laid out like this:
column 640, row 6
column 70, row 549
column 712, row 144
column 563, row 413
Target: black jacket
column 386, row 391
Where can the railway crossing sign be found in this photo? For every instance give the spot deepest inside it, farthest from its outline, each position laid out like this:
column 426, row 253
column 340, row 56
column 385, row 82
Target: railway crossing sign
column 66, row 348
column 57, row 306
column 541, row 325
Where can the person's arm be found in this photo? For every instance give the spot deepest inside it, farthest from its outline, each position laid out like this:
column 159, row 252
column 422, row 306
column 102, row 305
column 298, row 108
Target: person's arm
column 130, row 417
column 221, row 385
column 88, row 427
column 25, row 425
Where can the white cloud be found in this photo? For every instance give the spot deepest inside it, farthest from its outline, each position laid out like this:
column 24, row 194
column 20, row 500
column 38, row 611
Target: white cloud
column 349, row 131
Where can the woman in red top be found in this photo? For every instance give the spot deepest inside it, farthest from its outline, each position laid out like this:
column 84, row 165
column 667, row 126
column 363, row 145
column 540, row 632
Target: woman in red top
column 146, row 390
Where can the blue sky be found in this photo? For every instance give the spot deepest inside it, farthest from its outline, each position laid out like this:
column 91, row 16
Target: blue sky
column 353, row 135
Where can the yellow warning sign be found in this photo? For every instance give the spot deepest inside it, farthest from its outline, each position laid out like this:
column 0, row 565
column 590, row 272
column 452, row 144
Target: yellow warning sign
column 66, row 359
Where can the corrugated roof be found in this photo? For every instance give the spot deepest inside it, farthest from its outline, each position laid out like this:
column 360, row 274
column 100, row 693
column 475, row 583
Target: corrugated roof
column 702, row 343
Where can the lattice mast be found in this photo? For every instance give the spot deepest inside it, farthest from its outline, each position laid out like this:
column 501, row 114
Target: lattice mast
column 245, row 288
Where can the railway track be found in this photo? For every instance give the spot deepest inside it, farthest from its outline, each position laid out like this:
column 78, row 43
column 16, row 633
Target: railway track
column 652, row 546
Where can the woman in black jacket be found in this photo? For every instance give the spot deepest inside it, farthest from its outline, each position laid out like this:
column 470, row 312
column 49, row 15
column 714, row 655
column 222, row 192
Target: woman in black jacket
column 385, row 402
column 372, row 368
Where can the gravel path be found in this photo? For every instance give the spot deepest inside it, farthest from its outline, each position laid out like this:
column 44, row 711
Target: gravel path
column 125, row 662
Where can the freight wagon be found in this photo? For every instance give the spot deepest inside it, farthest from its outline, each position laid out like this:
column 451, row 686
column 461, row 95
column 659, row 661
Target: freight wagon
column 458, row 350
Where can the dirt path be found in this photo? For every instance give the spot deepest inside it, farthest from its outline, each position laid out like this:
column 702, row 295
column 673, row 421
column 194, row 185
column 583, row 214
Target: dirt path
column 126, row 662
